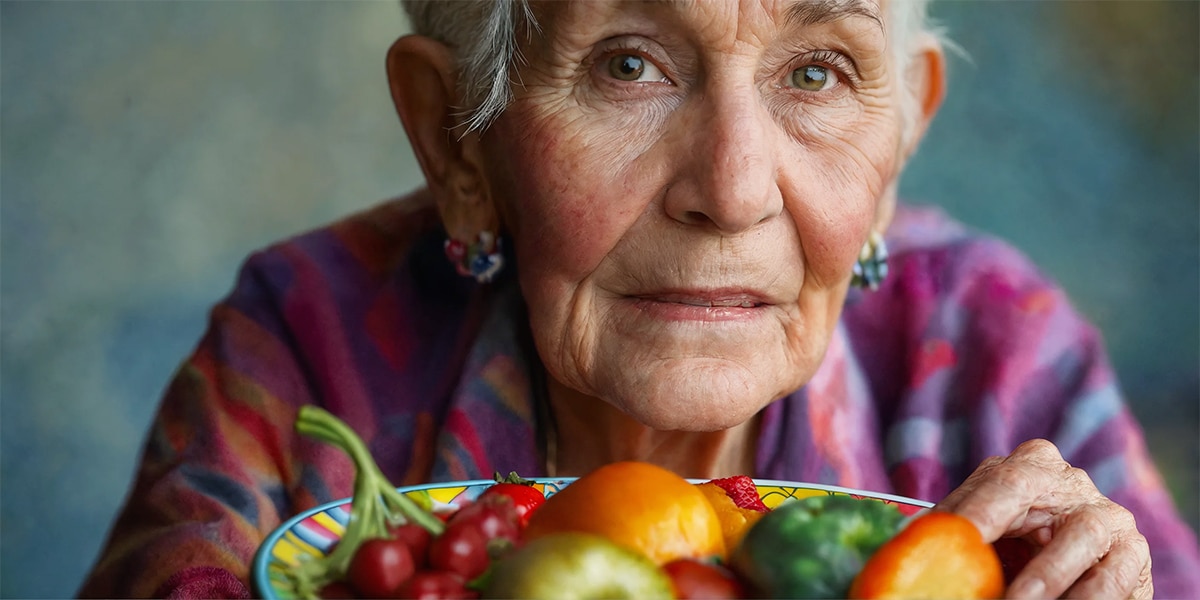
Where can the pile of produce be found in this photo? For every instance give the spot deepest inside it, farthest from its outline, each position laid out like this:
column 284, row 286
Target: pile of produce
column 634, row 530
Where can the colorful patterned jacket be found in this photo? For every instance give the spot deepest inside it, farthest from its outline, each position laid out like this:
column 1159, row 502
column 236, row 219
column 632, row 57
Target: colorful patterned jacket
column 964, row 352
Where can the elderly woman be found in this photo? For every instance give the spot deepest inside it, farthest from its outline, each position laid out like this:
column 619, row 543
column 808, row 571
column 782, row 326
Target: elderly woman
column 672, row 217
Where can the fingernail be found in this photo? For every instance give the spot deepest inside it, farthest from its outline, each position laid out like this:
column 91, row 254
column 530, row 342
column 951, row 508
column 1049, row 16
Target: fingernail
column 1028, row 588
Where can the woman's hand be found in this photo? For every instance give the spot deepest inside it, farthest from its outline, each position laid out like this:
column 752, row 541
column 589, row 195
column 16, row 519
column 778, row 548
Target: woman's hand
column 1087, row 545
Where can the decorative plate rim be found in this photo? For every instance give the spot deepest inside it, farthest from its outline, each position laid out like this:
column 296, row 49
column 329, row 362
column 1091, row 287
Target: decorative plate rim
column 259, row 575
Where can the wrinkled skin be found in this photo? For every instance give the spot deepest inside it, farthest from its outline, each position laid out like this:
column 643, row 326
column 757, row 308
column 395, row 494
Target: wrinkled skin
column 1089, row 546
column 687, row 186
column 635, row 205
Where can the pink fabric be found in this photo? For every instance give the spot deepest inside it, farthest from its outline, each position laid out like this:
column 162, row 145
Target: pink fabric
column 202, row 582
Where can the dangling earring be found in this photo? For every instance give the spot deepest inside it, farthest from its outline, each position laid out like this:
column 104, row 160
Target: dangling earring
column 871, row 267
column 481, row 260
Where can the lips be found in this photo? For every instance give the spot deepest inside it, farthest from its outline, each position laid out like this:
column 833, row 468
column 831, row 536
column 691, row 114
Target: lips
column 695, row 305
column 709, row 300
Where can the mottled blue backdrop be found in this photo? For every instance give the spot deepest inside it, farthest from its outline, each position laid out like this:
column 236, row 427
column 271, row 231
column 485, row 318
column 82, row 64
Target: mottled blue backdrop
column 146, row 147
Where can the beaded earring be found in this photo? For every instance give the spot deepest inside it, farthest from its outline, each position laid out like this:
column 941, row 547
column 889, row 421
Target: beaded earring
column 481, row 260
column 871, row 267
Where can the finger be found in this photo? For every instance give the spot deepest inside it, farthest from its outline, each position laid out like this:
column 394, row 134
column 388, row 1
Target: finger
column 997, row 498
column 1123, row 573
column 954, row 498
column 1078, row 545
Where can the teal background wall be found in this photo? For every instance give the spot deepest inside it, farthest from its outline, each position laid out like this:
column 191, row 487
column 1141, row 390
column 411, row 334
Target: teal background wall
column 146, row 147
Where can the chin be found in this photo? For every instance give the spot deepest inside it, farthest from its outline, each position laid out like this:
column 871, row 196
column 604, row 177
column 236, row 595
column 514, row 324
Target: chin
column 710, row 397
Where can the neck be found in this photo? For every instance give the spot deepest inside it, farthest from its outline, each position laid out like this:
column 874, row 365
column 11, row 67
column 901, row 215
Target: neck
column 587, row 432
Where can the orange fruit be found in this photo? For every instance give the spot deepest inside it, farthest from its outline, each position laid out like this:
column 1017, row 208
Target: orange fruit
column 638, row 505
column 735, row 520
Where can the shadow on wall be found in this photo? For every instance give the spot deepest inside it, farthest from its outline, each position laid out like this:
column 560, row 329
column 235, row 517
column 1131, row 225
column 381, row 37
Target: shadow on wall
column 148, row 147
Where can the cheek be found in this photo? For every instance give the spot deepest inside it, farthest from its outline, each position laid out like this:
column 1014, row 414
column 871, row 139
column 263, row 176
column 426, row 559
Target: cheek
column 568, row 203
column 841, row 184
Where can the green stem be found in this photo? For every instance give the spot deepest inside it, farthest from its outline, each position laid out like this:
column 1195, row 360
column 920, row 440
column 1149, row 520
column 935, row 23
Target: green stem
column 370, row 481
column 371, row 508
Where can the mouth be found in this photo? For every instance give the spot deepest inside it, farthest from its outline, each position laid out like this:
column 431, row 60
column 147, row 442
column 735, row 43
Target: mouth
column 708, row 300
column 703, row 305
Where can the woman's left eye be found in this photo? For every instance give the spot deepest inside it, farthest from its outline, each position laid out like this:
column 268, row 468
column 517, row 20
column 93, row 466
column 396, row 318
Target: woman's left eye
column 813, row 78
column 631, row 67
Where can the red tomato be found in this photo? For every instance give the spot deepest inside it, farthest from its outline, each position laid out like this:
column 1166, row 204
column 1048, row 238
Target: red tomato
column 525, row 497
column 694, row 579
column 417, row 539
column 379, row 567
column 435, row 585
column 460, row 549
column 494, row 516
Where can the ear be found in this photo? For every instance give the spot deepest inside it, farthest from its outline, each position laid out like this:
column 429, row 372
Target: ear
column 423, row 81
column 926, row 78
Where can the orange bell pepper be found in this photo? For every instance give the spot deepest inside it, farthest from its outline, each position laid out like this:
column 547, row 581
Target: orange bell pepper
column 938, row 555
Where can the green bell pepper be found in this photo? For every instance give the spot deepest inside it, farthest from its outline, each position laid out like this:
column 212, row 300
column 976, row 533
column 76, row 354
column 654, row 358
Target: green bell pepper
column 814, row 547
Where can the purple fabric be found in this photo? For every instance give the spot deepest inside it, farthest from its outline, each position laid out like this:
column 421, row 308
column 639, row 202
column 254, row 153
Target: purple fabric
column 963, row 353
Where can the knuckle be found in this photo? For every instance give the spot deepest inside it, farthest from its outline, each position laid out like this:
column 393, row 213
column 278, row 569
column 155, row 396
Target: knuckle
column 1078, row 475
column 1142, row 545
column 1080, row 482
column 1127, row 522
column 1040, row 450
column 1095, row 528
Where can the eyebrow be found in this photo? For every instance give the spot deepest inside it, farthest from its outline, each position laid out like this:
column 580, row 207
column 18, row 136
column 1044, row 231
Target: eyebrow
column 815, row 12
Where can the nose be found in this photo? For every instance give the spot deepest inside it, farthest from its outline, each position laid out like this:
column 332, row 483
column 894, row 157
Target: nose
column 729, row 180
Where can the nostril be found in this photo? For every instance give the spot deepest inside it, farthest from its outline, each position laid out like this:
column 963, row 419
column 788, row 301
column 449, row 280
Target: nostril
column 695, row 217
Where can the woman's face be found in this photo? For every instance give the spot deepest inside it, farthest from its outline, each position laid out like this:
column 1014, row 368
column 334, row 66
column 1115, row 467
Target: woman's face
column 688, row 185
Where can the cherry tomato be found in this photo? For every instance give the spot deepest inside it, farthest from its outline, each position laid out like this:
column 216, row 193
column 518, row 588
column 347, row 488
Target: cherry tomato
column 379, row 567
column 417, row 539
column 695, row 579
column 435, row 585
column 460, row 549
column 526, row 498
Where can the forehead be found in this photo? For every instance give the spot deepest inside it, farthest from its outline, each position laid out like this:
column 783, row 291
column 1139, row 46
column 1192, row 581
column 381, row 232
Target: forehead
column 717, row 13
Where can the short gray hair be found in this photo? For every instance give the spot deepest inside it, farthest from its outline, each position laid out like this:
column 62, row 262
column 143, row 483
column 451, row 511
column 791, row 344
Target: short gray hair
column 483, row 35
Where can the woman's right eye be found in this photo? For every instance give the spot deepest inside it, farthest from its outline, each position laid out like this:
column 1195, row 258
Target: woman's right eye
column 631, row 67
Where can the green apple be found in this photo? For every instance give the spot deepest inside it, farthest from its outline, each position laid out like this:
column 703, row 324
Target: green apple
column 580, row 566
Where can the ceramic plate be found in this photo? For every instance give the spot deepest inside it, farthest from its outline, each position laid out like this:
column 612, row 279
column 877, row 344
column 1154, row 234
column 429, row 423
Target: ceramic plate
column 313, row 532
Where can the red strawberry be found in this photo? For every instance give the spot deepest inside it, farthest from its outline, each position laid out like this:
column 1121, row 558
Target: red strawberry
column 743, row 492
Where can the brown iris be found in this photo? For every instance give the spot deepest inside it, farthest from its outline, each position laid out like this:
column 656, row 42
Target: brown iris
column 627, row 67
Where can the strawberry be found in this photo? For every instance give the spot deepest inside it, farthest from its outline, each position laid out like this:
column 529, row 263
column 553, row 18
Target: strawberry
column 743, row 492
